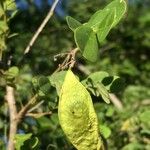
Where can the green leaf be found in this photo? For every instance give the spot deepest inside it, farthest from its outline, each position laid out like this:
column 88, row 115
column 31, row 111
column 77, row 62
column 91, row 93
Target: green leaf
column 105, row 26
column 2, row 81
column 96, row 19
column 57, row 80
column 133, row 146
column 35, row 83
column 41, row 85
column 86, row 41
column 72, row 23
column 145, row 117
column 3, row 27
column 34, row 142
column 44, row 123
column 20, row 139
column 10, row 5
column 110, row 112
column 12, row 73
column 94, row 83
column 104, row 93
column 1, row 11
column 105, row 131
column 103, row 20
column 44, row 86
column 77, row 115
column 31, row 144
column 98, row 76
column 113, row 84
column 120, row 7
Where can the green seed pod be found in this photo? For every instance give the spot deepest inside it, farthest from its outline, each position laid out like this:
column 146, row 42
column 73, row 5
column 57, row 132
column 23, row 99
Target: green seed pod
column 77, row 115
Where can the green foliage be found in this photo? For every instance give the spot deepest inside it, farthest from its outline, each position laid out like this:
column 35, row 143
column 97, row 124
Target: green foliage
column 20, row 139
column 24, row 141
column 100, row 83
column 5, row 7
column 124, row 52
column 41, row 85
column 97, row 27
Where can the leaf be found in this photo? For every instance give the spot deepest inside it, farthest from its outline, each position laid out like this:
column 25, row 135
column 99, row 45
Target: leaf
column 105, row 26
column 12, row 72
column 2, row 81
column 86, row 41
column 105, row 131
column 94, row 83
column 12, row 35
column 77, row 115
column 113, row 84
column 133, row 146
column 57, row 80
column 44, row 85
column 41, row 85
column 120, row 7
column 10, row 5
column 104, row 93
column 98, row 76
column 97, row 18
column 103, row 20
column 35, row 83
column 1, row 11
column 145, row 117
column 44, row 123
column 20, row 139
column 72, row 23
column 3, row 27
column 35, row 142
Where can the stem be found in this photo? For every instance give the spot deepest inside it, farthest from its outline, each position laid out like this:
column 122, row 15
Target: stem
column 24, row 110
column 69, row 61
column 49, row 15
column 13, row 114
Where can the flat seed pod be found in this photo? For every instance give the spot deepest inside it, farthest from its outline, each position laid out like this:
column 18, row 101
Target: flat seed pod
column 77, row 115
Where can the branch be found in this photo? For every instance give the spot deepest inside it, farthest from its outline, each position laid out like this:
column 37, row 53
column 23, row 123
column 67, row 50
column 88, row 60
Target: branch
column 13, row 116
column 116, row 101
column 36, row 106
column 24, row 110
column 38, row 115
column 41, row 27
column 83, row 69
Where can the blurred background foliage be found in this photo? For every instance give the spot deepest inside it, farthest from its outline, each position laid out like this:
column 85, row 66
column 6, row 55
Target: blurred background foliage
column 125, row 52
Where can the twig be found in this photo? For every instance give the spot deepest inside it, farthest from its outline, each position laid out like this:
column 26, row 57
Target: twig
column 49, row 15
column 116, row 101
column 69, row 61
column 13, row 114
column 145, row 102
column 24, row 110
column 36, row 106
column 38, row 115
column 83, row 69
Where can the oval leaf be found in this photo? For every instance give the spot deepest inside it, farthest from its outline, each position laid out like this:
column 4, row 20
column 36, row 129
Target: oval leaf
column 72, row 23
column 104, row 20
column 77, row 115
column 86, row 41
